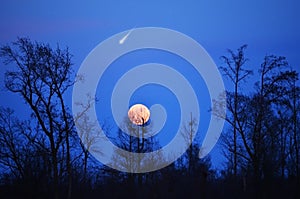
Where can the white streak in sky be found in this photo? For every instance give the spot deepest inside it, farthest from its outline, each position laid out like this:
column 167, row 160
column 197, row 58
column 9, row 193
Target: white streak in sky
column 125, row 37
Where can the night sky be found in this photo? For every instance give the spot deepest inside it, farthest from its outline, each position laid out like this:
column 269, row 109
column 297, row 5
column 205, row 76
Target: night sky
column 268, row 27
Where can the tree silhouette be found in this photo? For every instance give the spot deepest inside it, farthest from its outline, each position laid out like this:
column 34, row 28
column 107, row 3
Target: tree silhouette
column 261, row 128
column 42, row 77
column 13, row 145
column 235, row 71
column 87, row 132
column 43, row 156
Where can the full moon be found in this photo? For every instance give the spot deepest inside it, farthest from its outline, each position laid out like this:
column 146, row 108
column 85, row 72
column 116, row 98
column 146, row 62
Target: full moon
column 139, row 114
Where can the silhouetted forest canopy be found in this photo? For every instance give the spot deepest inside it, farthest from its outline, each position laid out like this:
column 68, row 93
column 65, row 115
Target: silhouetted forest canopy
column 43, row 156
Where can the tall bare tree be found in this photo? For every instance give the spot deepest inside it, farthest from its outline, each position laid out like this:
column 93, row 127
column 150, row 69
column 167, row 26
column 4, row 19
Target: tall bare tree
column 41, row 77
column 235, row 70
column 87, row 132
column 259, row 121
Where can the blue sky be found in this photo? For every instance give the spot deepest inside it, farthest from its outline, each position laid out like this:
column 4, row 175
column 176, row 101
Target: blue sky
column 268, row 27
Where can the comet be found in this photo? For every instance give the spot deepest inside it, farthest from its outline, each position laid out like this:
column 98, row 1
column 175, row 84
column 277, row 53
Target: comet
column 125, row 37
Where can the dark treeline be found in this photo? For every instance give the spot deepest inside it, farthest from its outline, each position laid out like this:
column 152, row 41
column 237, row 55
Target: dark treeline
column 43, row 157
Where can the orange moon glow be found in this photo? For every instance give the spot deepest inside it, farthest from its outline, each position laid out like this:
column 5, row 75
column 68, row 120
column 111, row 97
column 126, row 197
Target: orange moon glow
column 139, row 114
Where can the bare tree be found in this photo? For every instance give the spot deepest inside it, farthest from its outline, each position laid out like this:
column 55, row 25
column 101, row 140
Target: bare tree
column 42, row 77
column 87, row 132
column 196, row 170
column 258, row 120
column 12, row 142
column 23, row 155
column 189, row 132
column 234, row 70
column 136, row 143
column 289, row 108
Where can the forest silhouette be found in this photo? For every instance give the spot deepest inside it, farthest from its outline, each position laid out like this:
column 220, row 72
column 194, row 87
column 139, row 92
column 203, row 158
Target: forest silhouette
column 44, row 156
